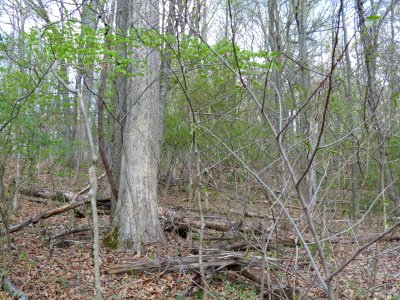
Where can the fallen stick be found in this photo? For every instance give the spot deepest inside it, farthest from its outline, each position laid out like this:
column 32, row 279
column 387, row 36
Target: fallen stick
column 47, row 214
column 67, row 232
column 44, row 215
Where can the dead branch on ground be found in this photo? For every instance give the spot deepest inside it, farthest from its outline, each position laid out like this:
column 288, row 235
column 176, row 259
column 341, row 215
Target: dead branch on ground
column 213, row 262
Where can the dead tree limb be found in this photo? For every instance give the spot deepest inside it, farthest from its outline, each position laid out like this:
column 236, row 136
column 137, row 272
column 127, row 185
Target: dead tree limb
column 47, row 194
column 172, row 217
column 46, row 214
column 181, row 223
column 68, row 231
column 234, row 261
column 213, row 262
column 58, row 195
column 49, row 213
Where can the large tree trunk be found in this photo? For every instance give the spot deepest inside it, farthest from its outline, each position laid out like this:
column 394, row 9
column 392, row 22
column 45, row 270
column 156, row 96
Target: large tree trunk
column 120, row 103
column 135, row 217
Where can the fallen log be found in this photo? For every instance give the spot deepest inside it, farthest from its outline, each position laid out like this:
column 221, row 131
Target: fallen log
column 213, row 262
column 171, row 218
column 57, row 195
column 47, row 194
column 233, row 261
column 181, row 224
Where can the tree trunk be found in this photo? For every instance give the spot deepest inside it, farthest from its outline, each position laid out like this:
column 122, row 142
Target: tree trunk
column 348, row 86
column 164, row 81
column 369, row 41
column 310, row 122
column 89, row 19
column 136, row 216
column 66, row 110
column 100, row 107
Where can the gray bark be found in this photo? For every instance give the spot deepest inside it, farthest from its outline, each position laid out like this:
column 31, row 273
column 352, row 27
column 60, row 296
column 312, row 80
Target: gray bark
column 136, row 215
column 120, row 102
column 164, row 82
column 354, row 168
column 369, row 41
column 310, row 121
column 64, row 93
column 92, row 196
column 89, row 19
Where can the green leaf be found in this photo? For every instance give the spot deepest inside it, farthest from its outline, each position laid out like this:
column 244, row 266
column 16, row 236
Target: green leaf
column 308, row 145
column 395, row 98
column 385, row 202
column 275, row 65
column 373, row 18
column 298, row 88
column 345, row 213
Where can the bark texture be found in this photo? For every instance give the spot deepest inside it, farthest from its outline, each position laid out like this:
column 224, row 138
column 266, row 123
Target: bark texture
column 136, row 215
column 85, row 80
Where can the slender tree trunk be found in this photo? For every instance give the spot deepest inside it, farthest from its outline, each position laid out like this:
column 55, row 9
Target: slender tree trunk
column 310, row 121
column 348, row 86
column 100, row 107
column 92, row 194
column 89, row 19
column 66, row 110
column 165, row 69
column 369, row 40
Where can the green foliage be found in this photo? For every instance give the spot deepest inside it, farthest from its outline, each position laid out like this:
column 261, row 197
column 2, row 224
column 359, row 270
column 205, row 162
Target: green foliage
column 239, row 291
column 111, row 239
column 217, row 100
column 372, row 20
column 393, row 148
column 393, row 152
column 177, row 133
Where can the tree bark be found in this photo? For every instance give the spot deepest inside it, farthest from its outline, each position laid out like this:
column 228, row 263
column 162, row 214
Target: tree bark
column 369, row 41
column 100, row 106
column 179, row 264
column 89, row 19
column 136, row 215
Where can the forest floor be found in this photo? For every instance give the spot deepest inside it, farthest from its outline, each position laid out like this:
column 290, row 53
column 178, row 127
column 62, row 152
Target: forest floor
column 63, row 269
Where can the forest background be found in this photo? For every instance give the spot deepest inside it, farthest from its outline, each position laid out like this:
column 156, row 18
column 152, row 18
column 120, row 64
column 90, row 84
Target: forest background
column 250, row 135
